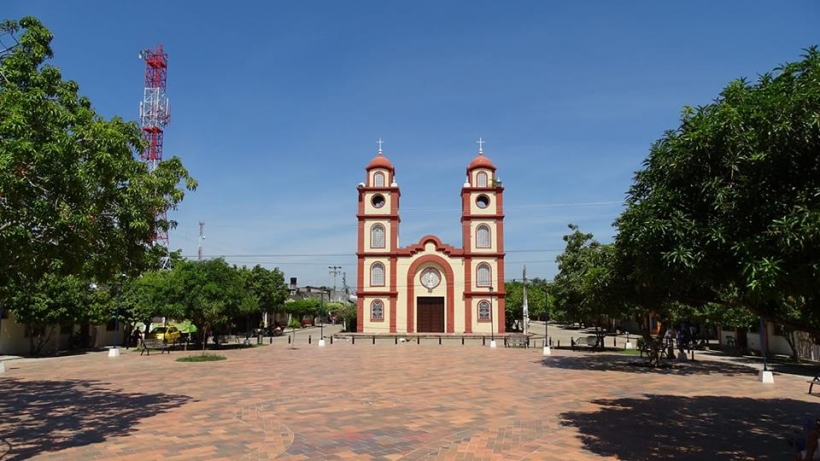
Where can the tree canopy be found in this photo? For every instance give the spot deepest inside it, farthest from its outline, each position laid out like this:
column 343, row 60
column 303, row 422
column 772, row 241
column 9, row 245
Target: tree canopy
column 268, row 286
column 539, row 300
column 59, row 300
column 145, row 297
column 727, row 206
column 74, row 199
column 209, row 293
column 588, row 287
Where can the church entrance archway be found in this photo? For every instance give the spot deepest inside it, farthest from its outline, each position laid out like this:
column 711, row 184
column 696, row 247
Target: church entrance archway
column 430, row 314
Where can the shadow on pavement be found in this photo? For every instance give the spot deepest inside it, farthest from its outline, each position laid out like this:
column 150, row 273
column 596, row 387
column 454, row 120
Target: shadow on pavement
column 808, row 369
column 691, row 428
column 632, row 364
column 49, row 416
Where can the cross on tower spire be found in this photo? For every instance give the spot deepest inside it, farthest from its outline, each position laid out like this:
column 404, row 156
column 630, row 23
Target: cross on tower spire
column 380, row 142
column 480, row 143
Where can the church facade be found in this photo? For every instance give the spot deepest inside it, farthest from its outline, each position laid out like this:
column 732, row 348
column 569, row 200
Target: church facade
column 430, row 286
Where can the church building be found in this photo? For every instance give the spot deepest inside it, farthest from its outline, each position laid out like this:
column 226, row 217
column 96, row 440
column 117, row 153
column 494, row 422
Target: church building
column 430, row 286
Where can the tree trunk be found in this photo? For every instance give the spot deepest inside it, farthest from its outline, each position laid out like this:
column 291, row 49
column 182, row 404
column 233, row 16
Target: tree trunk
column 789, row 335
column 36, row 347
column 205, row 337
column 31, row 349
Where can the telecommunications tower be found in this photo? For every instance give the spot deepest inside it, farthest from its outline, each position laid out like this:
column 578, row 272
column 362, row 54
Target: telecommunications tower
column 155, row 113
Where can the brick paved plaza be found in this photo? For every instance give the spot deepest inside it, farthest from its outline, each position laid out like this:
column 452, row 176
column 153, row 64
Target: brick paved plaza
column 392, row 402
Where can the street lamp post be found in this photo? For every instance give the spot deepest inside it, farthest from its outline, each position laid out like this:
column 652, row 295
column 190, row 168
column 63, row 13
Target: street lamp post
column 2, row 364
column 492, row 328
column 321, row 319
column 546, row 335
column 114, row 351
column 765, row 376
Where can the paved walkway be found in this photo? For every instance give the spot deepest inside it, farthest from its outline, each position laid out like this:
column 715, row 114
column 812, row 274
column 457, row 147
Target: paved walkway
column 390, row 402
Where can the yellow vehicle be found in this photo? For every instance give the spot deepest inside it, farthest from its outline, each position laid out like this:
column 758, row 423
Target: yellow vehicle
column 171, row 334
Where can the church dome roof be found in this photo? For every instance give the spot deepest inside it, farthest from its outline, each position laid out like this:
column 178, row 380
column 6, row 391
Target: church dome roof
column 481, row 162
column 380, row 161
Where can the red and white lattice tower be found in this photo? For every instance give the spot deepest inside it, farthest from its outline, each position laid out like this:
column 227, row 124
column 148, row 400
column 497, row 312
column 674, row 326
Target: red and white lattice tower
column 155, row 113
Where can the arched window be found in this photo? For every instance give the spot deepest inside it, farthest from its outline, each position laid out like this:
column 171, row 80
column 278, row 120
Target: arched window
column 377, row 236
column 483, row 310
column 481, row 179
column 483, row 275
column 482, row 236
column 378, row 179
column 377, row 310
column 377, row 275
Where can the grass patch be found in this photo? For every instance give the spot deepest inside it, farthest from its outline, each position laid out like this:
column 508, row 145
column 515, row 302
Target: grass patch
column 632, row 352
column 201, row 358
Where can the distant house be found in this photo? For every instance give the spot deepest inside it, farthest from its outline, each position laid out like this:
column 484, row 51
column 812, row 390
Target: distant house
column 15, row 341
column 776, row 342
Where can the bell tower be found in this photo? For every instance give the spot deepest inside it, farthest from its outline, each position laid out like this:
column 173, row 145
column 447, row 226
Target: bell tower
column 482, row 225
column 378, row 242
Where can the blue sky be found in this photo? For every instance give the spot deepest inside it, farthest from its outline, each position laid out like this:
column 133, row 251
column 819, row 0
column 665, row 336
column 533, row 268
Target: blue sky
column 277, row 106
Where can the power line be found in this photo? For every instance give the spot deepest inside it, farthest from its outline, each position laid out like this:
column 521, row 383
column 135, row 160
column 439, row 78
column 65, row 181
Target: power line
column 458, row 209
column 321, row 255
column 522, row 207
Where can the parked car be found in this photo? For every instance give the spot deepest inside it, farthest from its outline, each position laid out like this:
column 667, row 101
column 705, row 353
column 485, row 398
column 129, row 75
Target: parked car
column 170, row 334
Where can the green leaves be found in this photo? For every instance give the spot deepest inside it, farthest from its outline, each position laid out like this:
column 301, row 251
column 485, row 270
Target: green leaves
column 727, row 206
column 209, row 293
column 539, row 300
column 268, row 286
column 74, row 199
column 589, row 285
column 301, row 308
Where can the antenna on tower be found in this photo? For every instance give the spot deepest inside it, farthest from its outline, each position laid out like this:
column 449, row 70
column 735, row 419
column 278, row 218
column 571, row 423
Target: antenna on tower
column 201, row 238
column 155, row 113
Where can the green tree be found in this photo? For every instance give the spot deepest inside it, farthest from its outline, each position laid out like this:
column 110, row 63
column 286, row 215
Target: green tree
column 345, row 311
column 269, row 287
column 538, row 300
column 142, row 298
column 74, row 200
column 726, row 208
column 585, row 286
column 210, row 293
column 58, row 300
column 591, row 287
column 301, row 308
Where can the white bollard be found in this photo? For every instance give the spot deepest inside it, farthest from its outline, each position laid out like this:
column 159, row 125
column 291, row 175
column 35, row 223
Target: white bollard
column 765, row 377
column 321, row 343
column 114, row 352
column 492, row 344
column 629, row 345
column 547, row 350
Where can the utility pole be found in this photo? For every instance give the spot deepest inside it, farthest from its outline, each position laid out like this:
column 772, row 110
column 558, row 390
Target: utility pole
column 526, row 307
column 334, row 271
column 344, row 284
column 201, row 238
